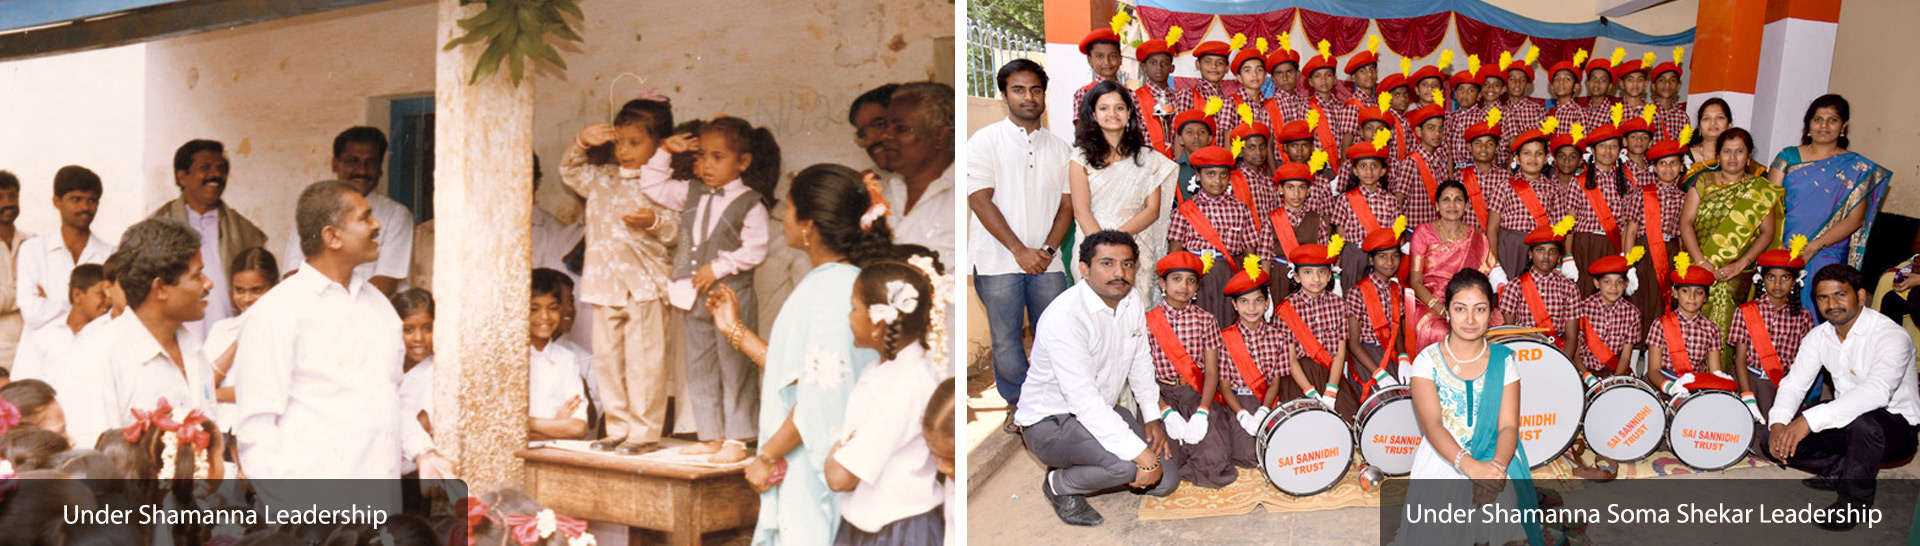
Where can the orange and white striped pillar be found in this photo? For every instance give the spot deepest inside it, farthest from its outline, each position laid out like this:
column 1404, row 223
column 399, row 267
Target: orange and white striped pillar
column 1068, row 21
column 1790, row 77
column 1726, row 56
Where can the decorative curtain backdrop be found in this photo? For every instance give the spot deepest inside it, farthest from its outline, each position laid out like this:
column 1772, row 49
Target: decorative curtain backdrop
column 1414, row 37
column 1267, row 25
column 1487, row 41
column 1193, row 25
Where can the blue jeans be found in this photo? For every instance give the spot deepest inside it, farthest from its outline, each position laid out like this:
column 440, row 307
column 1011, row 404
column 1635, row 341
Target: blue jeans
column 1006, row 298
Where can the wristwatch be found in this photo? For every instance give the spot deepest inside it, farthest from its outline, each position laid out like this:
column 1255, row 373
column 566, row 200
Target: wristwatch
column 1051, row 251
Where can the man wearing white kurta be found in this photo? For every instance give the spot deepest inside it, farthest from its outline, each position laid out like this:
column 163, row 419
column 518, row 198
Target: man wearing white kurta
column 320, row 354
column 1876, row 406
column 149, row 354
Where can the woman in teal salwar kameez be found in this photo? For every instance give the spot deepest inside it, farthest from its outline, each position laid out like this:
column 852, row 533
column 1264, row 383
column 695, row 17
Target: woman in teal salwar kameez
column 1832, row 194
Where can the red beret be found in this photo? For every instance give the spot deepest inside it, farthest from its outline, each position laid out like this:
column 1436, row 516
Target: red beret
column 1098, row 35
column 1420, row 115
column 1179, row 261
column 1521, row 66
column 1628, row 67
column 1314, row 255
column 1318, row 62
column 1282, row 56
column 1543, row 235
column 1568, row 66
column 1608, row 265
column 1211, row 156
column 1293, row 171
column 1781, row 258
column 1212, row 47
column 1482, row 129
column 1599, row 63
column 1369, row 113
column 1459, row 78
column 1365, row 150
column 1490, row 71
column 1635, row 125
column 1425, row 72
column 1563, row 140
column 1240, row 283
column 1193, row 116
column 1361, row 60
column 1392, row 81
column 1294, row 131
column 1665, row 67
column 1150, row 48
column 1381, row 238
column 1249, row 130
column 1530, row 136
column 1241, row 58
column 1664, row 149
column 1693, row 276
column 1601, row 134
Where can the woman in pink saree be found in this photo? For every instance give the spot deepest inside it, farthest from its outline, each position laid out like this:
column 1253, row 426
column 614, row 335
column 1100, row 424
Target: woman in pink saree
column 1440, row 249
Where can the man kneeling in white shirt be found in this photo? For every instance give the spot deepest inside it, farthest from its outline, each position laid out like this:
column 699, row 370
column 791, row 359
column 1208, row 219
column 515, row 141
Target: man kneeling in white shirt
column 1873, row 416
column 1092, row 341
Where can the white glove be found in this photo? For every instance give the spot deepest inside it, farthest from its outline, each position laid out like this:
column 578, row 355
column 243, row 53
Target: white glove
column 1176, row 426
column 1327, row 401
column 1197, row 427
column 1497, row 278
column 1723, row 375
column 1678, row 387
column 1633, row 283
column 1590, row 379
column 1246, row 421
column 1753, row 406
column 1383, row 378
column 1261, row 416
column 1569, row 269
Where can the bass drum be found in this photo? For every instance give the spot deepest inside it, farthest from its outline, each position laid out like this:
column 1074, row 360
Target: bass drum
column 1389, row 433
column 1304, row 448
column 1711, row 430
column 1624, row 420
column 1551, row 405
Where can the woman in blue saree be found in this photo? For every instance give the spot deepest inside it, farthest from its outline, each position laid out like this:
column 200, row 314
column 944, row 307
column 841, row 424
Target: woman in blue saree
column 1832, row 194
column 1466, row 397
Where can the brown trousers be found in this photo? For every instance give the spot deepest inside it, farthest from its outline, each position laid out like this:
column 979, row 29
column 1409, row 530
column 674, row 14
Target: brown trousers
column 1208, row 463
column 629, row 360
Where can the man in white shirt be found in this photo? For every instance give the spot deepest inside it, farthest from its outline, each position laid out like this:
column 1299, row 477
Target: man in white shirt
column 1017, row 191
column 920, row 194
column 1088, row 346
column 12, row 327
column 319, row 354
column 148, row 354
column 359, row 154
column 200, row 170
column 1873, row 416
column 46, row 260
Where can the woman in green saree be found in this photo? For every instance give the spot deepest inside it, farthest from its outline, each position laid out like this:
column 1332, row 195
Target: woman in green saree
column 1731, row 215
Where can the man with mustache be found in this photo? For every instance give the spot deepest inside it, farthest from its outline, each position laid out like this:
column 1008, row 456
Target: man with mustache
column 358, row 156
column 12, row 326
column 47, row 260
column 920, row 193
column 200, row 170
column 868, row 115
column 1092, row 341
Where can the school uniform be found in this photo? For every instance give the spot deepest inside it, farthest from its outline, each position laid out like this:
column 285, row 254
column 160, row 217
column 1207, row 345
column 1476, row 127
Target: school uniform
column 1231, row 226
column 552, row 381
column 1533, row 297
column 1319, row 326
column 1524, row 205
column 1378, row 308
column 899, row 496
column 1698, row 335
column 1608, row 332
column 1357, row 213
column 1772, row 343
column 1660, row 206
column 1195, row 98
column 1481, row 186
column 1193, row 331
column 1598, row 213
column 1416, row 176
column 1293, row 227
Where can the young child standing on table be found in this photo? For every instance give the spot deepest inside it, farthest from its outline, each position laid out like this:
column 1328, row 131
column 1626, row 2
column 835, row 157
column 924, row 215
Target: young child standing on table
column 556, row 401
column 626, row 271
column 1316, row 317
column 1185, row 345
column 883, row 466
column 723, row 237
column 1683, row 346
column 1214, row 222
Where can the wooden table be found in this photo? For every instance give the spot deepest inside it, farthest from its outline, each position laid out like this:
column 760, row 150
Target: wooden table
column 682, row 501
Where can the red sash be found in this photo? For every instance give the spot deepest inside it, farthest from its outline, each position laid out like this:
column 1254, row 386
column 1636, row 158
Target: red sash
column 1426, row 174
column 1676, row 345
column 1532, row 200
column 1156, row 131
column 1274, row 119
column 1283, row 230
column 1385, row 324
column 1600, row 210
column 1656, row 241
column 1762, row 342
column 1170, row 344
column 1531, row 292
column 1191, row 211
column 1243, row 191
column 1236, row 343
column 1471, row 179
column 1399, row 142
column 1304, row 336
column 1363, row 211
column 1598, row 346
column 1324, row 133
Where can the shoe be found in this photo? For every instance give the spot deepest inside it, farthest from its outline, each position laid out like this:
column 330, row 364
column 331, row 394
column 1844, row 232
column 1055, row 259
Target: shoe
column 1072, row 509
column 1836, row 523
column 638, row 448
column 1010, row 427
column 606, row 444
column 1819, row 483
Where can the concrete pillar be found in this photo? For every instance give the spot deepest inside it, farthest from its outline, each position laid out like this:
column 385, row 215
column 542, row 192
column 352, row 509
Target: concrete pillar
column 1790, row 77
column 1067, row 21
column 1726, row 56
column 483, row 197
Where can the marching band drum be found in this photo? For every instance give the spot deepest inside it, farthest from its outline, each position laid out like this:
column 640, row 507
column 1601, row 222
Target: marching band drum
column 1551, row 404
column 1304, row 448
column 1625, row 420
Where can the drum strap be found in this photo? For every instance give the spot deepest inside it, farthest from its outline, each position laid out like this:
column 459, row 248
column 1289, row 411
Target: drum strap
column 1385, row 322
column 1426, row 174
column 1305, row 336
column 1283, row 230
column 1191, row 211
column 1324, row 132
column 1243, row 362
column 1531, row 200
column 1362, row 211
column 1170, row 345
column 1676, row 345
column 1531, row 291
column 1598, row 346
column 1762, row 342
column 1156, row 132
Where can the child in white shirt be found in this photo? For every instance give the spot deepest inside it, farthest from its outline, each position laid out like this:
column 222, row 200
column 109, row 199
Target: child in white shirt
column 87, row 292
column 556, row 400
column 253, row 272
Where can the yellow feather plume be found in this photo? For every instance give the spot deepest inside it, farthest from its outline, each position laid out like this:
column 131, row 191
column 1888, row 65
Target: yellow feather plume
column 1334, row 245
column 1506, row 59
column 1386, row 101
column 1549, row 125
column 1473, row 64
column 1446, row 58
column 1577, row 132
column 1206, row 261
column 1681, row 262
column 1493, row 116
column 1325, row 49
column 1317, row 161
column 1439, row 97
column 1380, row 139
column 1795, row 245
column 1634, row 255
column 1213, row 106
column 1647, row 61
column 1686, row 135
column 1406, row 67
column 1679, row 53
column 1399, row 225
column 1579, row 57
column 1532, row 55
column 1252, row 265
column 1286, row 41
column 1646, row 113
column 1563, row 226
column 1246, row 113
column 1373, row 44
column 1238, row 144
column 1119, row 22
column 1173, row 35
column 1614, row 114
column 1313, row 119
column 1619, row 53
column 1239, row 40
column 1260, row 45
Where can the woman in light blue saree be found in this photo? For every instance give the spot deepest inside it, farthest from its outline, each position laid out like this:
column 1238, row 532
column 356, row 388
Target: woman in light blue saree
column 1832, row 194
column 1466, row 397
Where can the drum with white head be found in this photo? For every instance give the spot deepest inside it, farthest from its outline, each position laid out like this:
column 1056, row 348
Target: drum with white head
column 1388, row 432
column 1304, row 448
column 1551, row 405
column 1711, row 429
column 1624, row 420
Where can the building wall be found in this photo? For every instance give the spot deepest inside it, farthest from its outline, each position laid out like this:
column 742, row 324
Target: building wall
column 94, row 117
column 1886, row 119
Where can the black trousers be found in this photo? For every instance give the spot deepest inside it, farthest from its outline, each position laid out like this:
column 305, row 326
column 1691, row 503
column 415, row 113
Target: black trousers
column 1852, row 455
column 1897, row 308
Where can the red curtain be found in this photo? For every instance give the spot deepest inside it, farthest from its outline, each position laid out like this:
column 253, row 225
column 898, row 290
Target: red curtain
column 1414, row 37
column 1487, row 41
column 1553, row 51
column 1193, row 26
column 1342, row 34
column 1267, row 25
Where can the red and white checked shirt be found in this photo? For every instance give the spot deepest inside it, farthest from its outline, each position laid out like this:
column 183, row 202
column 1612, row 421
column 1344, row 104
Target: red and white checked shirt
column 1699, row 333
column 1230, row 220
column 1198, row 333
column 1617, row 323
column 1164, row 97
column 1517, row 118
column 1415, row 199
column 1786, row 326
column 1384, row 205
column 1458, row 121
column 1504, row 196
column 1267, row 344
column 1639, row 173
column 1599, row 111
column 1557, row 293
column 1314, row 234
column 1356, row 308
column 1568, row 112
column 1342, row 119
column 1669, row 120
column 1195, row 98
column 1139, row 116
column 1624, row 206
column 1325, row 316
column 1266, row 194
column 1671, row 201
column 1293, row 107
column 1255, row 105
column 1496, row 177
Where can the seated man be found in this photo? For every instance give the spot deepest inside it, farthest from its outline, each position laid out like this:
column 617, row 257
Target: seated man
column 1871, row 419
column 1091, row 342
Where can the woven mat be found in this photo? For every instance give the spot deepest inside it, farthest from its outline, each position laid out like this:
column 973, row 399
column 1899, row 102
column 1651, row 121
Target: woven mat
column 1251, row 490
